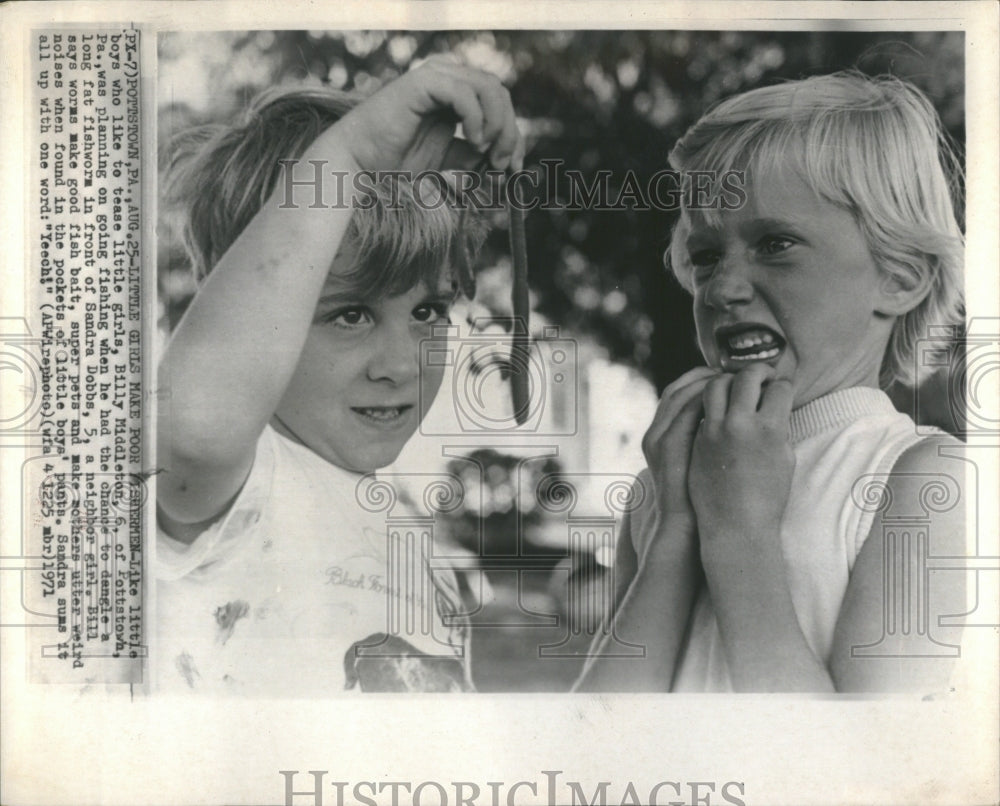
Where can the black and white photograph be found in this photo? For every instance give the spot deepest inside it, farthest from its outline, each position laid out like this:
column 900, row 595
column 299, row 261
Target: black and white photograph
column 462, row 404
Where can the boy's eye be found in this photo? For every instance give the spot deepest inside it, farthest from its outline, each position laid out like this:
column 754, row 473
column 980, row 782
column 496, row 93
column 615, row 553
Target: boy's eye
column 431, row 314
column 704, row 258
column 349, row 317
column 775, row 244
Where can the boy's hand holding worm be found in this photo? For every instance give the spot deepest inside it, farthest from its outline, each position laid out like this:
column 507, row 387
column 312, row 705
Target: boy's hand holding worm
column 399, row 126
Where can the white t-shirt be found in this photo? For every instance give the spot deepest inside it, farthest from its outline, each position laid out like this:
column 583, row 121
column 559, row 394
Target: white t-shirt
column 301, row 591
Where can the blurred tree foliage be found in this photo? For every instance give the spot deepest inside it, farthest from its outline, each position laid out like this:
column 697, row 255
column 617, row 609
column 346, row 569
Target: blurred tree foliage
column 597, row 100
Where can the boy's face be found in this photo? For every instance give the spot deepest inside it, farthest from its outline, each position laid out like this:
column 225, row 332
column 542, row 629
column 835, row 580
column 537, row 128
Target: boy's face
column 788, row 280
column 354, row 398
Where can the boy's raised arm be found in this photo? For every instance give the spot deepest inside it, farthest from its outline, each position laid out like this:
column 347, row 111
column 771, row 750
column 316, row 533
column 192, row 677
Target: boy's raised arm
column 233, row 354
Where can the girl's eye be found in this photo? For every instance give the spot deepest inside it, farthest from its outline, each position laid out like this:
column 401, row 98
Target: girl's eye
column 350, row 317
column 703, row 262
column 775, row 244
column 431, row 314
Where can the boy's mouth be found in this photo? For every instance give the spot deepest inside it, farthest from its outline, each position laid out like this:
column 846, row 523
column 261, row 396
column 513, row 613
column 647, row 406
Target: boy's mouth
column 744, row 344
column 383, row 415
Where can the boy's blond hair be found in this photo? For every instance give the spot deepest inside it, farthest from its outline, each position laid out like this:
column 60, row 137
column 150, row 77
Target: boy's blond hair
column 875, row 147
column 218, row 176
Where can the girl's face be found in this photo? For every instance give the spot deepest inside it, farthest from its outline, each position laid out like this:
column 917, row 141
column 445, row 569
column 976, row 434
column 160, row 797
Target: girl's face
column 788, row 280
column 356, row 394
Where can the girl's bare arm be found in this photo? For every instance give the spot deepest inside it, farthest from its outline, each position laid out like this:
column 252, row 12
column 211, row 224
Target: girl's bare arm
column 911, row 656
column 660, row 550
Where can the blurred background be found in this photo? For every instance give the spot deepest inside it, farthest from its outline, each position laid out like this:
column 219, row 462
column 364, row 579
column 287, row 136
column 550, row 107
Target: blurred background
column 611, row 327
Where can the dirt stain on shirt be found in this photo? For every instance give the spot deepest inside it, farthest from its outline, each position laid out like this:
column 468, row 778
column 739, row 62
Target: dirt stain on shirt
column 185, row 665
column 227, row 616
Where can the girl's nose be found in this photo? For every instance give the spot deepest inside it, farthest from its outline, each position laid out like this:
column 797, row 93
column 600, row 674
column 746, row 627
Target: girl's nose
column 396, row 357
column 730, row 283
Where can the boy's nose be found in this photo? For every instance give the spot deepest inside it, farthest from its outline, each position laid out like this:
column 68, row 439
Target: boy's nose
column 729, row 284
column 396, row 358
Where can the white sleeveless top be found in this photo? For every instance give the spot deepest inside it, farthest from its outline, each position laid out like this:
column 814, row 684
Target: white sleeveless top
column 837, row 439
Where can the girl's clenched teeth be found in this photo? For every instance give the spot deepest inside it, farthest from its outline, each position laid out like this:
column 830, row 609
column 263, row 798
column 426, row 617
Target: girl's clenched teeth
column 751, row 344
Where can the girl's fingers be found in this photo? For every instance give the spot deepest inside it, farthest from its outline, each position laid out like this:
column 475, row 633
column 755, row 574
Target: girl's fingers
column 716, row 398
column 776, row 402
column 689, row 377
column 670, row 454
column 744, row 395
column 674, row 399
column 680, row 434
column 677, row 393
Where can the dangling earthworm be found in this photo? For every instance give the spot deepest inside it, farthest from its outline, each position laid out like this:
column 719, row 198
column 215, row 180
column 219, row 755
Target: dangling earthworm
column 464, row 268
column 521, row 336
column 521, row 342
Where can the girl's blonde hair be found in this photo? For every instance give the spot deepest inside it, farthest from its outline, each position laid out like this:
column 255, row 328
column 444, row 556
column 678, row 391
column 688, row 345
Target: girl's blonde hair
column 875, row 147
column 218, row 176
